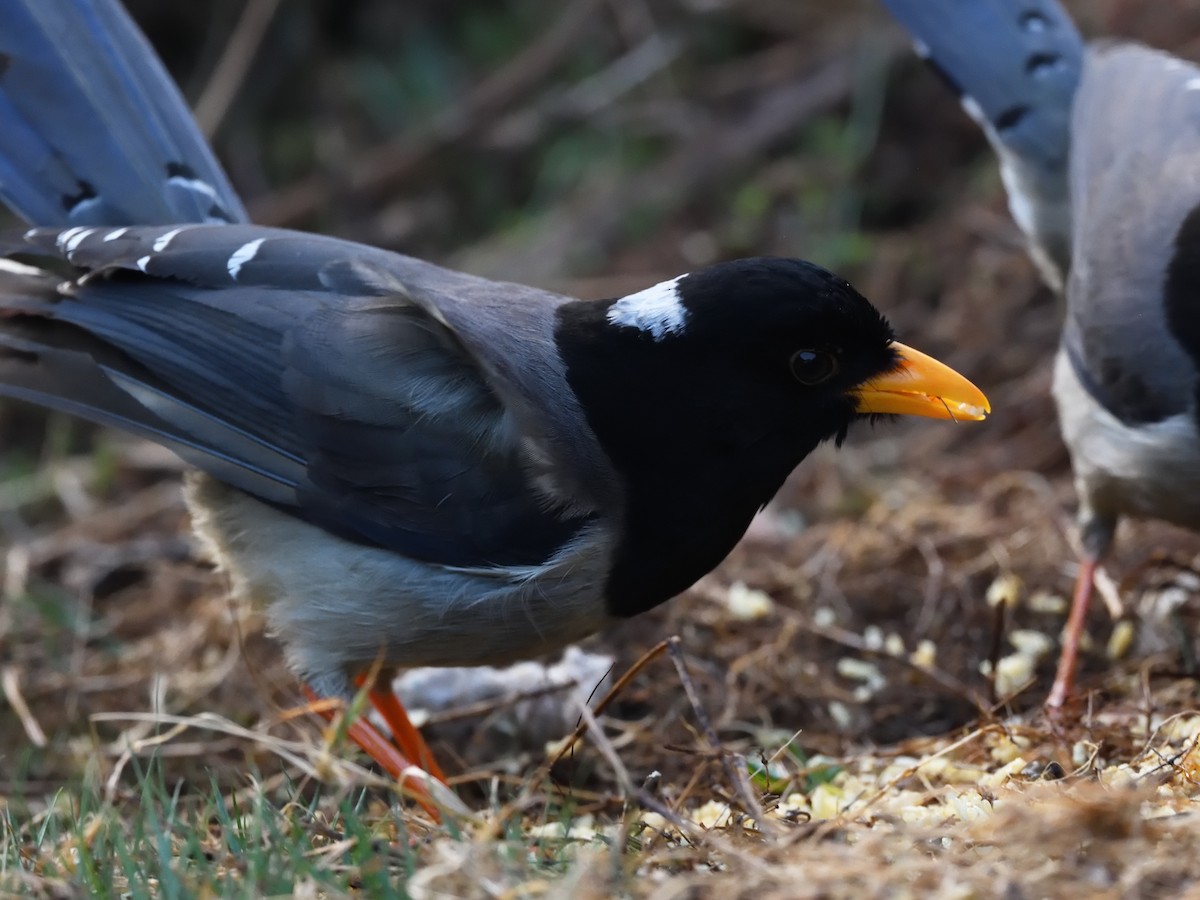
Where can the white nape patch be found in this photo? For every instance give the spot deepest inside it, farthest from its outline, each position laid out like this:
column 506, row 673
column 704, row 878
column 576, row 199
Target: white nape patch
column 164, row 240
column 66, row 236
column 241, row 256
column 143, row 262
column 113, row 235
column 1192, row 84
column 657, row 310
column 973, row 109
column 16, row 268
column 76, row 239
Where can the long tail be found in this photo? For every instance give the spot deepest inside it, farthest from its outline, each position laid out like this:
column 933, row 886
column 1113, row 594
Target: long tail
column 93, row 130
column 1016, row 68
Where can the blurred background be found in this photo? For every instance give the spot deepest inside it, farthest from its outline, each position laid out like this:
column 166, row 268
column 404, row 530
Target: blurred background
column 596, row 147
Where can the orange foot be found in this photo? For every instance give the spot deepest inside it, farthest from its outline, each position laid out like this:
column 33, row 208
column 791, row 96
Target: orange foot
column 397, row 761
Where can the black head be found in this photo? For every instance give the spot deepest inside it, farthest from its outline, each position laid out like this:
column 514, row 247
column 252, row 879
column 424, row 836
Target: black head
column 705, row 392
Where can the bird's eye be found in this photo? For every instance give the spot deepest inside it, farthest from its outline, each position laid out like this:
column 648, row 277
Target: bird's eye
column 813, row 366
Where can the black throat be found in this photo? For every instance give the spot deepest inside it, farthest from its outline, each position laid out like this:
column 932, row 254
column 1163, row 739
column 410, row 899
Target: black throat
column 700, row 452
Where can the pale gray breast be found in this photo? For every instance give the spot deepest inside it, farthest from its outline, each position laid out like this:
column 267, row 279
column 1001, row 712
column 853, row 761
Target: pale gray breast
column 338, row 605
column 1149, row 471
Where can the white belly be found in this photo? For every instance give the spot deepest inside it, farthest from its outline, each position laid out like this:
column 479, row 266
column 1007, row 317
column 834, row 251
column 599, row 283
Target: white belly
column 340, row 606
column 1145, row 471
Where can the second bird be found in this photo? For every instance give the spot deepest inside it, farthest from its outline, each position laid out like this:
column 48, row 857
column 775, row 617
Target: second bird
column 1099, row 148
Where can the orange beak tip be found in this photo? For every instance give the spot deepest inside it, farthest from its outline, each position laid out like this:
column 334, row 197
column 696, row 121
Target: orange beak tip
column 922, row 386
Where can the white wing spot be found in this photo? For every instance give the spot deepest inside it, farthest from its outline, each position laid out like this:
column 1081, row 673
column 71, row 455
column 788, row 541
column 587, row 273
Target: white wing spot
column 241, row 256
column 161, row 244
column 143, row 262
column 921, row 48
column 656, row 310
column 67, row 235
column 31, row 234
column 113, row 235
column 76, row 239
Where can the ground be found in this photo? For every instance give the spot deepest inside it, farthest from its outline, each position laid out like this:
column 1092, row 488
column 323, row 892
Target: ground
column 870, row 661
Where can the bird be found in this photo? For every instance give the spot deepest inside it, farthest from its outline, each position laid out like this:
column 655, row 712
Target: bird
column 403, row 465
column 1099, row 149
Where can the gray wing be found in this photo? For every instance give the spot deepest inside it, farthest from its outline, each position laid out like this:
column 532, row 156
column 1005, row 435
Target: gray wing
column 92, row 129
column 294, row 367
column 1016, row 67
column 1135, row 182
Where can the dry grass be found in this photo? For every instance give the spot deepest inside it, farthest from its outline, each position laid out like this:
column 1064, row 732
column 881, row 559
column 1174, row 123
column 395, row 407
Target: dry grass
column 847, row 659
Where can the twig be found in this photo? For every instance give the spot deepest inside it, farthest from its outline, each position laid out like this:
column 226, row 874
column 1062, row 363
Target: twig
column 999, row 626
column 381, row 168
column 630, row 673
column 587, row 99
column 12, row 692
column 483, row 707
column 933, row 585
column 604, row 745
column 592, row 219
column 737, row 780
column 230, row 72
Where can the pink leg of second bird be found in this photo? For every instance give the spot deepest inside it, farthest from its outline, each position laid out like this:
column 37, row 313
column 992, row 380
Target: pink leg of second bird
column 1068, row 660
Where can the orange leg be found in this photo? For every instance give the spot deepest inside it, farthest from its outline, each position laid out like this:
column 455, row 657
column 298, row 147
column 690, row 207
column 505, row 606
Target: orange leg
column 384, row 752
column 404, row 733
column 1068, row 660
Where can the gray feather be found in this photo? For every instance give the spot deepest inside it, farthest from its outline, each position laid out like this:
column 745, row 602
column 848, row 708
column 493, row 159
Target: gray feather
column 356, row 381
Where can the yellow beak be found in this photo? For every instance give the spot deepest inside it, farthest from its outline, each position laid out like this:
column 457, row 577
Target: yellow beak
column 922, row 386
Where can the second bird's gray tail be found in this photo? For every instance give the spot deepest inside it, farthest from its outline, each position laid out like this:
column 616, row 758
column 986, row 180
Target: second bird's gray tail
column 1016, row 68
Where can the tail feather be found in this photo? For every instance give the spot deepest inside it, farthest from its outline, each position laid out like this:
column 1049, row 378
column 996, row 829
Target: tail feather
column 93, row 130
column 56, row 363
column 1016, row 68
column 63, row 368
